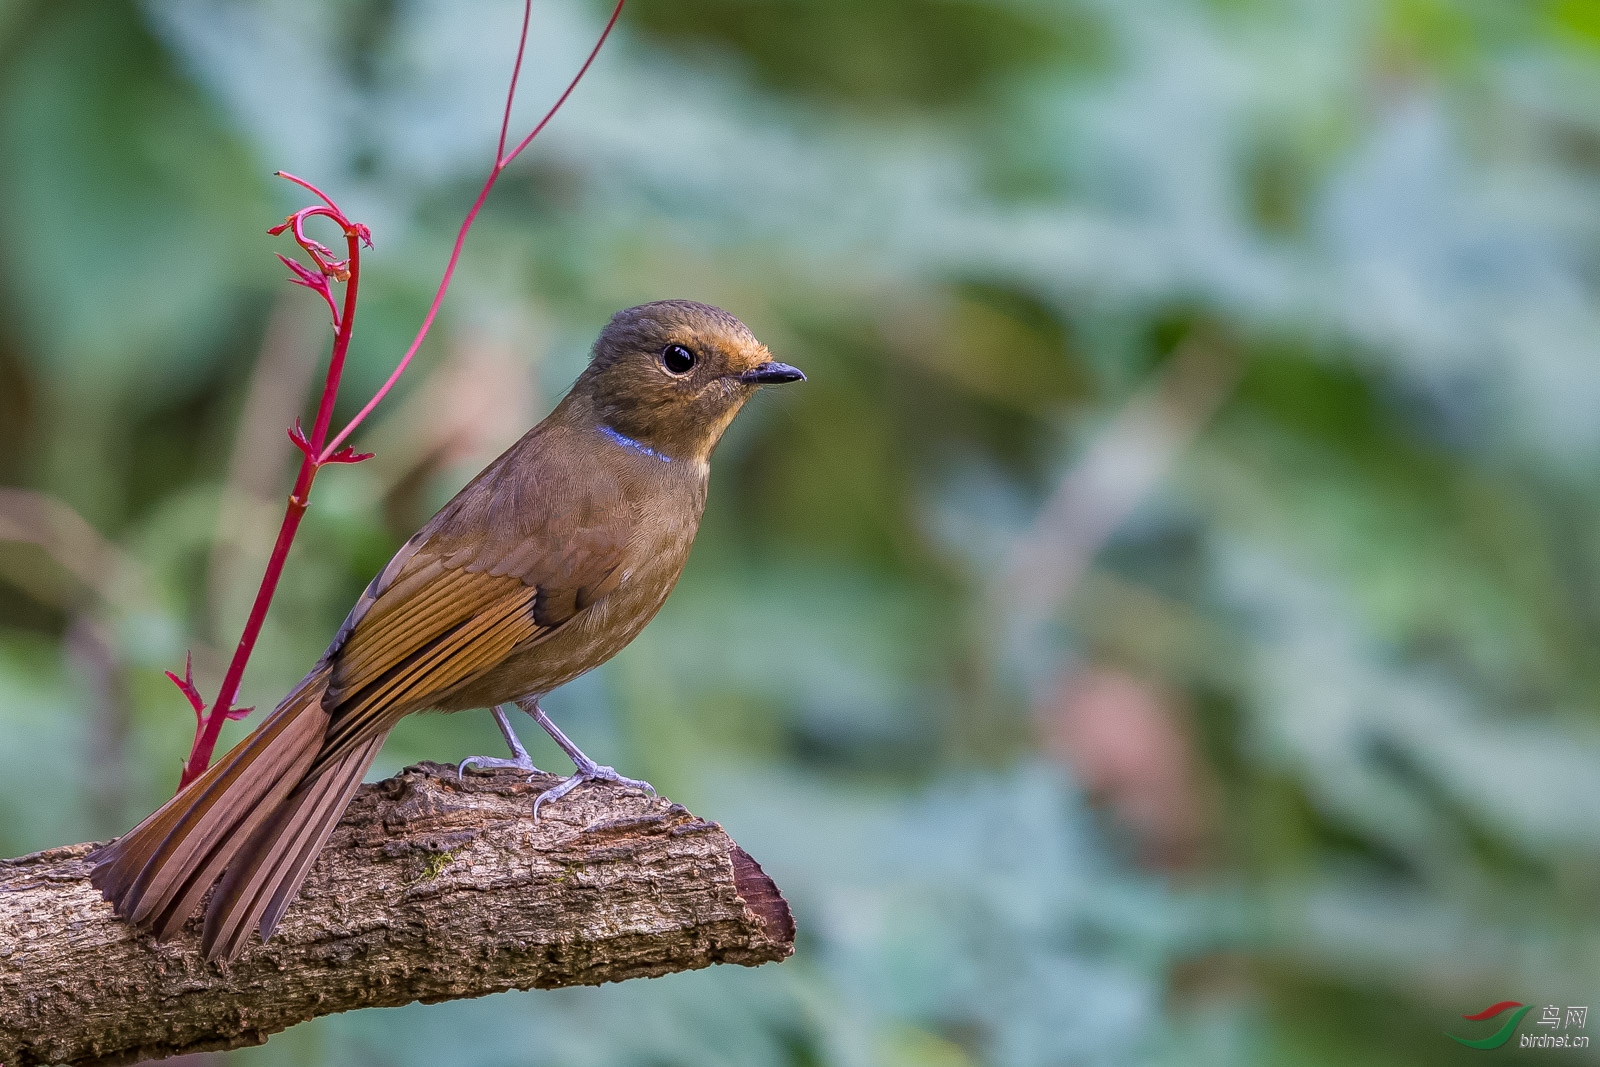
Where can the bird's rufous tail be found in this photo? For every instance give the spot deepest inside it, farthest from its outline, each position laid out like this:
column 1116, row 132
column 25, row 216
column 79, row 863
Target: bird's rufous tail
column 252, row 819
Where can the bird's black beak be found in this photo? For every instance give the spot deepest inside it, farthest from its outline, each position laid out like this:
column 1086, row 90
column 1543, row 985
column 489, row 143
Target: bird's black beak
column 772, row 374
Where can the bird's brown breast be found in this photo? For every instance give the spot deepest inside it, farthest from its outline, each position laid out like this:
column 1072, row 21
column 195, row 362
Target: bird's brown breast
column 659, row 504
column 596, row 633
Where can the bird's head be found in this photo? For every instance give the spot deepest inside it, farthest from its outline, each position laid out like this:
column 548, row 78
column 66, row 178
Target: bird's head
column 671, row 375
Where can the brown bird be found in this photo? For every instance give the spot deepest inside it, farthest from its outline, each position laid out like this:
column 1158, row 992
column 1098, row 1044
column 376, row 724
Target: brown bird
column 542, row 568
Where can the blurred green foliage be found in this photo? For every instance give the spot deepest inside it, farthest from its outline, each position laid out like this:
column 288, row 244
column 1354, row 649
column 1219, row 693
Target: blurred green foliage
column 1290, row 305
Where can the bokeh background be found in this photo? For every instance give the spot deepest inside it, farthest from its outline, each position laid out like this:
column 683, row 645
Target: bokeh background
column 1164, row 630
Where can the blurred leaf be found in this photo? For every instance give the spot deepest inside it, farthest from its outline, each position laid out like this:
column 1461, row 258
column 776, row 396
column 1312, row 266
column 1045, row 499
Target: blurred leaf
column 125, row 202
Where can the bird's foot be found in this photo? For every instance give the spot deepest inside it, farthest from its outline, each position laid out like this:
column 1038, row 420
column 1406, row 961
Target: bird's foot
column 588, row 771
column 493, row 763
column 519, row 761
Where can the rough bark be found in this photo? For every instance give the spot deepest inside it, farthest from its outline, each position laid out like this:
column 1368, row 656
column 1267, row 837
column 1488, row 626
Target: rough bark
column 430, row 889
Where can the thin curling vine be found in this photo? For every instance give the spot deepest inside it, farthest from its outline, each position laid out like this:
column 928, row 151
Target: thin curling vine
column 316, row 449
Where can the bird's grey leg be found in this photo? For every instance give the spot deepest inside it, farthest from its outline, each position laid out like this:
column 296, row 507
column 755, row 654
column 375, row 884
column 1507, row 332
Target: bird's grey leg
column 588, row 769
column 520, row 760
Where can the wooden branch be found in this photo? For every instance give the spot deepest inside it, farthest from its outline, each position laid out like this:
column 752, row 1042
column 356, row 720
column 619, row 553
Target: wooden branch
column 430, row 889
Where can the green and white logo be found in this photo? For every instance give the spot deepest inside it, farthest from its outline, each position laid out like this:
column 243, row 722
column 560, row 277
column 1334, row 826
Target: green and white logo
column 1552, row 1017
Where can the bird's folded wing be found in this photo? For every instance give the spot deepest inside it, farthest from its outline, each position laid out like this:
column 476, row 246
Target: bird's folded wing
column 400, row 661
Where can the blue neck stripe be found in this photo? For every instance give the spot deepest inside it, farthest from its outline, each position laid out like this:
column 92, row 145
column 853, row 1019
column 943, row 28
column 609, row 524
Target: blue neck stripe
column 627, row 442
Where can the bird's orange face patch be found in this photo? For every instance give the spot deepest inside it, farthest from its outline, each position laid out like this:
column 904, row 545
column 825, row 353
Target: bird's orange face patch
column 728, row 353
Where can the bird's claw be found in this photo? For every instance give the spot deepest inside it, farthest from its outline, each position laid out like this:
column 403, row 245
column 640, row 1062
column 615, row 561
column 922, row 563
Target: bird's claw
column 494, row 763
column 591, row 773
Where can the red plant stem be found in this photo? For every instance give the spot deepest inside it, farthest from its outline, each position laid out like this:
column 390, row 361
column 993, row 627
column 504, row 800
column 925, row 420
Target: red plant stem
column 209, row 728
column 319, row 452
column 516, row 72
column 502, row 161
column 312, row 189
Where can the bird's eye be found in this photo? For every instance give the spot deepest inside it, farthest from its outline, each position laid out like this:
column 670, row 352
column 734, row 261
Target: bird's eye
column 677, row 359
